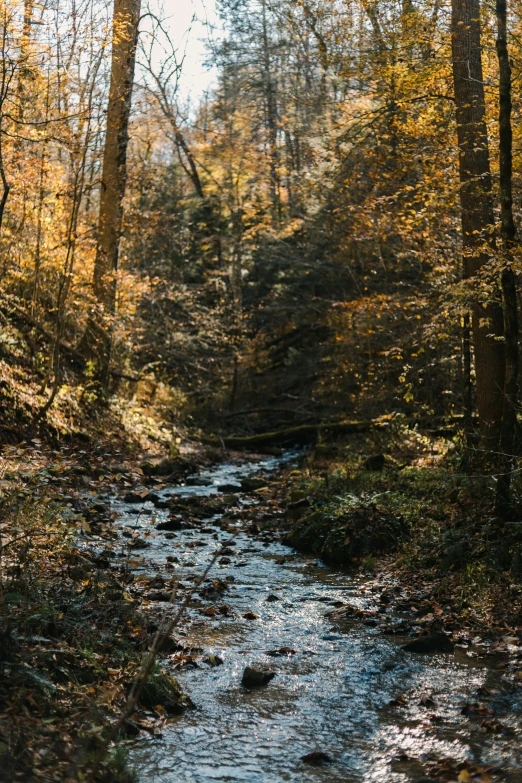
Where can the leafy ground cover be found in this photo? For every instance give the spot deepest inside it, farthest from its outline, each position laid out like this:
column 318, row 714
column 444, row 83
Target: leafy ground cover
column 73, row 637
column 404, row 498
column 391, row 502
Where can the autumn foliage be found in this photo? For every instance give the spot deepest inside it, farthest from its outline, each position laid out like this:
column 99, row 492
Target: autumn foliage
column 291, row 244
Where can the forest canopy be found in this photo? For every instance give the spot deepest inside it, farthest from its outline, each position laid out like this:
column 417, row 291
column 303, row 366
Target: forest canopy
column 320, row 235
column 280, row 314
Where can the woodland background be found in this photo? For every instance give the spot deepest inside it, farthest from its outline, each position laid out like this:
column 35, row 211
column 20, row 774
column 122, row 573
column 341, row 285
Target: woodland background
column 291, row 245
column 322, row 248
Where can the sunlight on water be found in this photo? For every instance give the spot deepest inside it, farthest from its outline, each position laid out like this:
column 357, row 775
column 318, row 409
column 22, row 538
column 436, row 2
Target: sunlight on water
column 333, row 695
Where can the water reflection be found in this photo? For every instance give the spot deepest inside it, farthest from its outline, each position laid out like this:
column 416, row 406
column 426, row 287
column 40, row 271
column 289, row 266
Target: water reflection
column 332, row 695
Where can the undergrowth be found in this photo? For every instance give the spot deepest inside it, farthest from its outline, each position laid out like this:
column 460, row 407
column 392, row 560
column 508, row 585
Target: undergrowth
column 71, row 643
column 435, row 519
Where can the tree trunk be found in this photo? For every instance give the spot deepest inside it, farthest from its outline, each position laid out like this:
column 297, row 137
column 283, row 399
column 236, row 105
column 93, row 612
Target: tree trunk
column 477, row 213
column 271, row 120
column 509, row 293
column 124, row 40
column 467, row 388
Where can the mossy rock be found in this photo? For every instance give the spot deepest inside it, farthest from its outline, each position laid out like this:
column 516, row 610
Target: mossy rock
column 162, row 689
column 350, row 535
column 178, row 466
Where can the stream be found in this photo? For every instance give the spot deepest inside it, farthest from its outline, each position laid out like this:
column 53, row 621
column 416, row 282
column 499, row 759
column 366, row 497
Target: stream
column 333, row 695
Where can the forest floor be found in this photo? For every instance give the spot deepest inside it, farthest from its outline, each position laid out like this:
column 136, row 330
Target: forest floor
column 78, row 616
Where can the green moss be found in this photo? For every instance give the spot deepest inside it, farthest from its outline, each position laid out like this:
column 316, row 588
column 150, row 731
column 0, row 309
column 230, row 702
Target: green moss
column 343, row 532
column 438, row 519
column 164, row 690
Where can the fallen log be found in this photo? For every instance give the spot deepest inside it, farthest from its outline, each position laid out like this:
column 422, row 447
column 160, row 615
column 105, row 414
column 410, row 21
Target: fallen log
column 302, row 435
column 256, row 411
column 308, row 434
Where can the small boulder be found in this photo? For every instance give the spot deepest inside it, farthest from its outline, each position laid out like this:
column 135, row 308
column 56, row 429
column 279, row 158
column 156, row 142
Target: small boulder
column 197, row 481
column 139, row 543
column 432, row 643
column 166, row 644
column 282, row 652
column 230, row 500
column 251, row 484
column 117, row 467
column 166, row 467
column 255, row 677
column 231, row 488
column 213, row 660
column 172, row 524
column 158, row 595
column 134, row 497
column 163, row 689
column 317, row 758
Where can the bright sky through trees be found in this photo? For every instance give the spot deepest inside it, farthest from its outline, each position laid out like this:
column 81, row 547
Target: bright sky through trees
column 191, row 23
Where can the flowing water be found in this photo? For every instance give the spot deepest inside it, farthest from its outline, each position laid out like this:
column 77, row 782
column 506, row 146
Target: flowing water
column 332, row 695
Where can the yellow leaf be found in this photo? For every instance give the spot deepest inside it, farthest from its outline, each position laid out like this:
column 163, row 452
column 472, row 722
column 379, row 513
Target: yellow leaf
column 464, row 777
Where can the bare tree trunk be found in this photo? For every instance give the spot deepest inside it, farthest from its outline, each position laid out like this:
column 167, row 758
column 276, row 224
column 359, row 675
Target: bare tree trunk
column 7, row 71
column 477, row 213
column 509, row 292
column 237, row 259
column 124, row 40
column 467, row 389
column 371, row 11
column 24, row 68
column 192, row 170
column 271, row 119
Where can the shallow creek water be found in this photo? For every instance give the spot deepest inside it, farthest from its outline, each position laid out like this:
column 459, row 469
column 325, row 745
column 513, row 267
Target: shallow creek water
column 332, row 695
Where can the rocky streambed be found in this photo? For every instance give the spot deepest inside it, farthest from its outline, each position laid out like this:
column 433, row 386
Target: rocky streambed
column 345, row 701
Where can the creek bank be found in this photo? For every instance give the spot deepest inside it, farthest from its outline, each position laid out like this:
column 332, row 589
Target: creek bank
column 343, row 685
column 72, row 634
column 342, row 536
column 354, row 534
column 430, row 528
column 260, row 600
